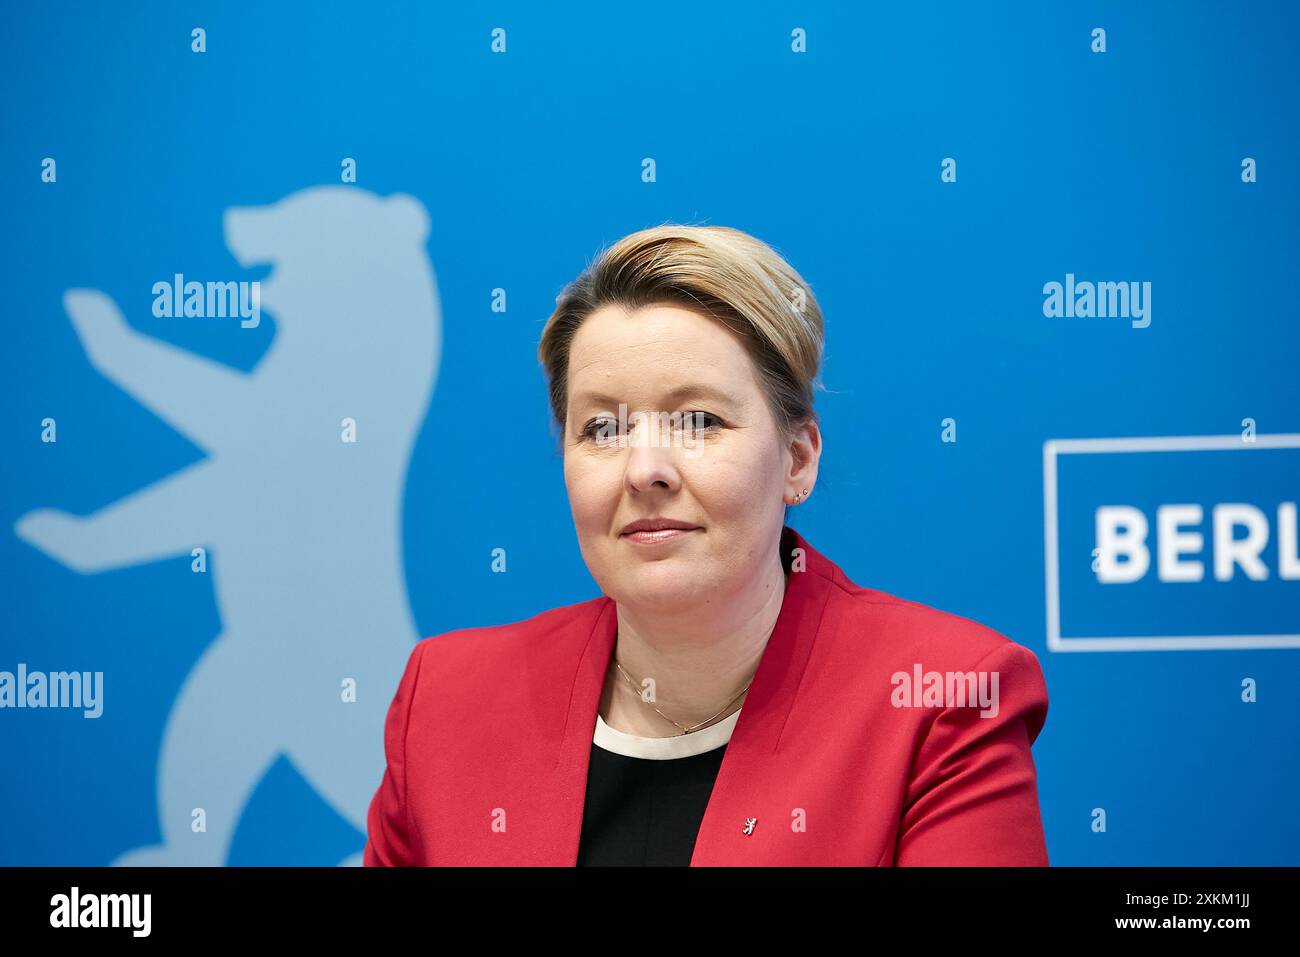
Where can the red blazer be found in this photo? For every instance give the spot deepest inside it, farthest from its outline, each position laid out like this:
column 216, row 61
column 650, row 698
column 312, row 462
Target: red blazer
column 489, row 735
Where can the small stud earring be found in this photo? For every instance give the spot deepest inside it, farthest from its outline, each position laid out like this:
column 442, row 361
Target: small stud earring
column 798, row 497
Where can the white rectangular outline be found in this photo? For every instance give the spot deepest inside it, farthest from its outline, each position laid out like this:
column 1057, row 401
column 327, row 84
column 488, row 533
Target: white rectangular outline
column 1176, row 443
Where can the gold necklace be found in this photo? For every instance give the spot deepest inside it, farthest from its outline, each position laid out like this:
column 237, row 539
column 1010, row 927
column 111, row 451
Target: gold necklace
column 636, row 690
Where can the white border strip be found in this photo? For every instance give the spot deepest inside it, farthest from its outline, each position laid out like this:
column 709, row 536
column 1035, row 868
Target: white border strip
column 1177, row 443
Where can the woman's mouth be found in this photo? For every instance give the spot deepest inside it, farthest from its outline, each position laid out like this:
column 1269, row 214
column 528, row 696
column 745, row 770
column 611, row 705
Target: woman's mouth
column 659, row 536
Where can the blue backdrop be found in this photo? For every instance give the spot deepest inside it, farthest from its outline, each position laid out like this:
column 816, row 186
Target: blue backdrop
column 929, row 169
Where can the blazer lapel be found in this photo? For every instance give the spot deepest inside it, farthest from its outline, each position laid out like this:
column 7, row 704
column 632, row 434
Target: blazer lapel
column 749, row 757
column 726, row 836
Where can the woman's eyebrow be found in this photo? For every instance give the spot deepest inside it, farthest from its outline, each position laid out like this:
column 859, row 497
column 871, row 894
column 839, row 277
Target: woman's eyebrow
column 689, row 391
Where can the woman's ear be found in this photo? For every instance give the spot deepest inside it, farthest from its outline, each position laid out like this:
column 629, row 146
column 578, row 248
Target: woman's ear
column 805, row 454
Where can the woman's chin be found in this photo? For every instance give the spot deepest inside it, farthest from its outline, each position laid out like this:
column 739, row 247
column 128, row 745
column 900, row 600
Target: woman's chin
column 661, row 588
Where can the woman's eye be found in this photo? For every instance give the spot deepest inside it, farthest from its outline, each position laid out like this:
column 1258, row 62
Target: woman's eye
column 700, row 421
column 594, row 426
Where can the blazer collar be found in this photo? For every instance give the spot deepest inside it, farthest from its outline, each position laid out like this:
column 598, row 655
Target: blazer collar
column 758, row 729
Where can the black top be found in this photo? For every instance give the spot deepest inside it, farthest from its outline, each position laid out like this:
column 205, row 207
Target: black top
column 642, row 811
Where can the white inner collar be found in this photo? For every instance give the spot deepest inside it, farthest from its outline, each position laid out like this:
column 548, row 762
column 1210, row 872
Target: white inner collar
column 663, row 749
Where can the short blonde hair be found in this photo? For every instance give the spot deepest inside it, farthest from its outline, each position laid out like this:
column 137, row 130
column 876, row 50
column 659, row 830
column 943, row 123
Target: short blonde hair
column 721, row 272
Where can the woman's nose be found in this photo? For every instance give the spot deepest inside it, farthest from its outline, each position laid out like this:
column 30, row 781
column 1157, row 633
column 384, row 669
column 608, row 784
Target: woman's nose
column 650, row 459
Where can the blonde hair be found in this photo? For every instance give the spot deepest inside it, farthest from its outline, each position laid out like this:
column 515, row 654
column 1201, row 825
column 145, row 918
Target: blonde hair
column 721, row 272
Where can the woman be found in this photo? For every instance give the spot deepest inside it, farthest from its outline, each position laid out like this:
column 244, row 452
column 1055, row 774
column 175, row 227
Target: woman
column 732, row 698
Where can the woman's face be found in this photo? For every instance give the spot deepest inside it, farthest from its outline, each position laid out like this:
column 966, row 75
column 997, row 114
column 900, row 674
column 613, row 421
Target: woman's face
column 725, row 473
